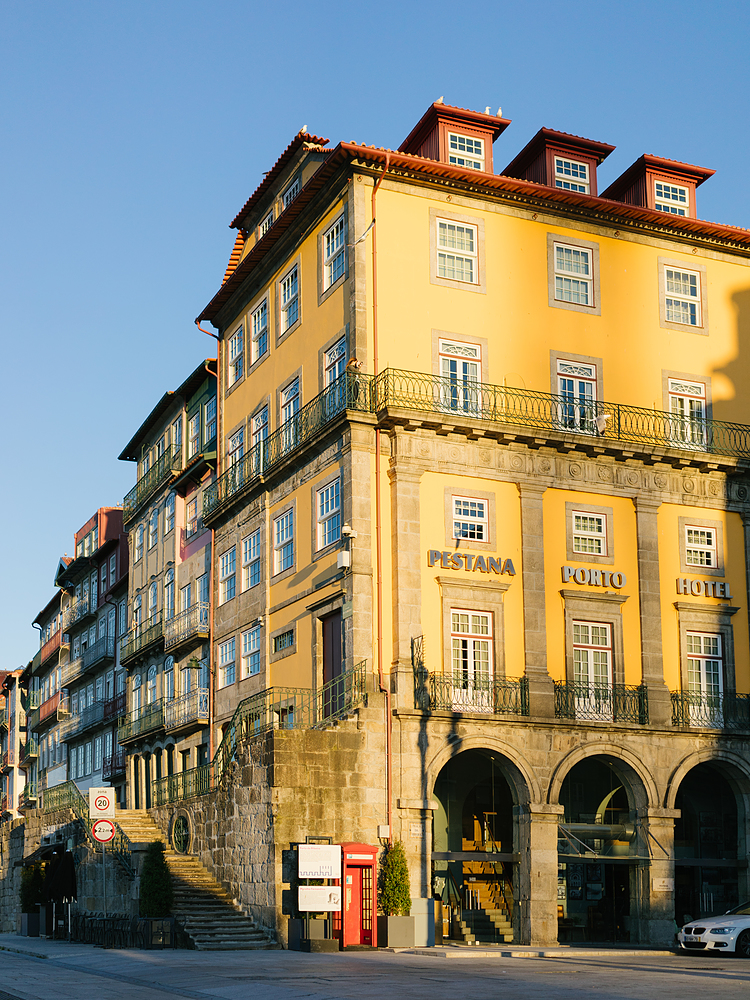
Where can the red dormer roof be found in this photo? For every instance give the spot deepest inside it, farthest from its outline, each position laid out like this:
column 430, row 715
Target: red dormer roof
column 428, row 137
column 636, row 185
column 534, row 162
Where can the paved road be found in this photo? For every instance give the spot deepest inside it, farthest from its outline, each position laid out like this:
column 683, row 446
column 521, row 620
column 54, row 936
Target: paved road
column 81, row 972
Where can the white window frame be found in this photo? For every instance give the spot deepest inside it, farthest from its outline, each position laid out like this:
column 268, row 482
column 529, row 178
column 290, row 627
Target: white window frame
column 289, row 299
column 460, row 376
column 283, row 541
column 265, row 225
column 584, row 535
column 176, row 433
column 290, row 406
column 169, row 513
column 328, row 507
column 334, row 362
column 593, row 674
column 191, row 523
column 577, row 388
column 291, row 193
column 472, row 660
column 250, row 663
column 153, row 599
column 687, row 408
column 671, row 198
column 153, row 528
column 235, row 447
column 465, row 150
column 228, row 575
column 334, row 252
column 682, row 298
column 470, row 518
column 251, row 560
column 259, row 426
column 139, row 535
column 236, row 356
column 703, row 547
column 194, row 434
column 169, row 595
column 572, row 175
column 209, row 420
column 705, row 677
column 573, row 274
column 226, row 658
column 259, row 331
column 464, row 264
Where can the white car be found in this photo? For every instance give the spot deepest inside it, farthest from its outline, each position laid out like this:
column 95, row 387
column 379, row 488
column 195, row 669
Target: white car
column 729, row 932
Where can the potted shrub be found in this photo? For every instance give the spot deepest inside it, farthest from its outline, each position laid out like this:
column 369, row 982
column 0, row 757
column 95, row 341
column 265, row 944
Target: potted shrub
column 156, row 895
column 32, row 883
column 395, row 897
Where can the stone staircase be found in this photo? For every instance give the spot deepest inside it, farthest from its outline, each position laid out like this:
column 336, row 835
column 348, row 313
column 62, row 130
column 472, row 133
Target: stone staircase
column 485, row 927
column 203, row 908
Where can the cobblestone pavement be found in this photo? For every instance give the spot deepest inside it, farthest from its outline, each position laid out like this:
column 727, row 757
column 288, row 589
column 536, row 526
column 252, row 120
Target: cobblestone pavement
column 82, row 972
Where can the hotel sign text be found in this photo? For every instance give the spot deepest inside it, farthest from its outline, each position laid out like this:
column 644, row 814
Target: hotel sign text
column 594, row 577
column 472, row 563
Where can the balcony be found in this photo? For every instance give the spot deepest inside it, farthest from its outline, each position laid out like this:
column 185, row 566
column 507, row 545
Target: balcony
column 114, row 765
column 30, row 700
column 189, row 709
column 702, row 711
column 72, row 672
column 139, row 723
column 28, row 797
column 114, row 707
column 101, row 651
column 29, row 752
column 3, row 718
column 140, row 639
column 50, row 647
column 5, row 805
column 159, row 473
column 8, row 760
column 601, row 702
column 491, row 696
column 78, row 612
column 90, row 716
column 47, row 713
column 187, row 626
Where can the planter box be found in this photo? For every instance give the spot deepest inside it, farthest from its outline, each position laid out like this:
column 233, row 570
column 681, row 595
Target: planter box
column 29, row 925
column 415, row 931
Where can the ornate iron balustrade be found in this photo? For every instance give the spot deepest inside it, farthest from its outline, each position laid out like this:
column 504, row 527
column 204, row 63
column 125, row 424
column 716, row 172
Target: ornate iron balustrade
column 28, row 796
column 78, row 611
column 30, row 700
column 72, row 672
column 102, row 649
column 525, row 408
column 188, row 624
column 47, row 712
column 160, row 471
column 350, row 391
column 68, row 796
column 140, row 722
column 113, row 765
column 274, row 708
column 4, row 804
column 29, row 751
column 494, row 696
column 114, row 707
column 701, row 711
column 90, row 716
column 186, row 709
column 51, row 646
column 141, row 637
column 601, row 702
column 7, row 760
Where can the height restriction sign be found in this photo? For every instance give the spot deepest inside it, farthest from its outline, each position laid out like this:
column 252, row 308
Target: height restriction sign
column 103, row 830
column 102, row 803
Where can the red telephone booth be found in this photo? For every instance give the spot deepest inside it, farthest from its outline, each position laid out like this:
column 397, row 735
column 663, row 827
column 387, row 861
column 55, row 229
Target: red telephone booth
column 359, row 873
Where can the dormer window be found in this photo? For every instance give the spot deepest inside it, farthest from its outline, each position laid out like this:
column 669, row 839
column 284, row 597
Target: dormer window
column 571, row 175
column 671, row 198
column 291, row 193
column 465, row 151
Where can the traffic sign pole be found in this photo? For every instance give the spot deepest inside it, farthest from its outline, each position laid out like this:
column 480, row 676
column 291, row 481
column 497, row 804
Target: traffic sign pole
column 104, row 884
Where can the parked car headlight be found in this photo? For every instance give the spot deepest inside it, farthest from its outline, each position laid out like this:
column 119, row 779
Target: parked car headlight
column 722, row 930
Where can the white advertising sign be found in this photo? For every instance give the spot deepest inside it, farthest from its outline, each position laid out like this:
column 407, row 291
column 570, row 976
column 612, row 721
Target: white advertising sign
column 662, row 884
column 102, row 803
column 319, row 861
column 317, row 898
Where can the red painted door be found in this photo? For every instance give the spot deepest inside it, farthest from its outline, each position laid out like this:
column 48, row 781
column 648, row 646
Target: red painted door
column 353, row 897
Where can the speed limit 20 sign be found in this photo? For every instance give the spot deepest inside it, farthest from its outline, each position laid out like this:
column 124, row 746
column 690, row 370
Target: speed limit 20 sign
column 102, row 803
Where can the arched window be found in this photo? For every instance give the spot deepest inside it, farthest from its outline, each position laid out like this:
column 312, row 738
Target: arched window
column 153, row 592
column 137, row 680
column 137, row 611
column 151, row 686
column 169, row 514
column 169, row 679
column 138, row 543
column 168, row 594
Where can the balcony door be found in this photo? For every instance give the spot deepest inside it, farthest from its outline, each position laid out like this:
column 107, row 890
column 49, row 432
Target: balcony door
column 705, row 679
column 576, row 385
column 687, row 408
column 471, row 667
column 333, row 663
column 460, row 370
column 592, row 670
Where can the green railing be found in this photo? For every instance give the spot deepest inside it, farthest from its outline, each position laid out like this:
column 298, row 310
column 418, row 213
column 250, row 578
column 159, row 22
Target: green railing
column 350, row 391
column 27, row 798
column 29, row 750
column 69, row 796
column 702, row 711
column 150, row 481
column 491, row 696
column 141, row 721
column 274, row 708
column 601, row 702
column 610, row 422
column 30, row 701
column 141, row 637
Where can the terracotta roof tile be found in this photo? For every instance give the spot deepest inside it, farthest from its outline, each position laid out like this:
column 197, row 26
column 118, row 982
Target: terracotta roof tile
column 234, row 257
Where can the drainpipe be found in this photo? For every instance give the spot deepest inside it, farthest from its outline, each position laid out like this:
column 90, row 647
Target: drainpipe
column 213, row 553
column 385, row 688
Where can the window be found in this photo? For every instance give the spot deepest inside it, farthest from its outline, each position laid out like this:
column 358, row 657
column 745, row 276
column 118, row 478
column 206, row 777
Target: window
column 151, row 685
column 471, row 656
column 88, row 758
column 236, row 356
column 700, row 546
column 137, row 693
column 576, row 385
column 251, row 652
column 259, row 326
column 186, row 594
column 137, row 610
column 123, row 616
column 470, row 519
column 283, row 542
column 235, row 447
column 227, row 564
column 191, row 517
column 573, row 275
column 589, row 533
column 169, row 594
column 285, row 640
column 334, row 361
column 259, row 426
column 153, row 528
column 194, row 434
column 153, row 597
column 265, row 225
column 291, row 193
column 202, row 584
column 592, row 654
column 98, row 753
column 226, row 662
column 139, row 542
column 103, row 584
column 251, row 560
column 571, row 175
column 177, row 433
column 112, row 568
column 671, row 198
column 687, row 406
column 456, row 251
column 329, row 514
column 683, row 300
column 289, row 299
column 460, row 370
column 334, row 253
column 169, row 513
column 209, row 420
column 466, row 151
column 289, row 409
column 705, row 678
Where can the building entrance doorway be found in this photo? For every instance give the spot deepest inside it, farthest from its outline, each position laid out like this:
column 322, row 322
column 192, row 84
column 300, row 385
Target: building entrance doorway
column 473, row 859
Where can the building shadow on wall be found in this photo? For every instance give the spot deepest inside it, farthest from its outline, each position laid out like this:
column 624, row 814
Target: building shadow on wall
column 737, row 371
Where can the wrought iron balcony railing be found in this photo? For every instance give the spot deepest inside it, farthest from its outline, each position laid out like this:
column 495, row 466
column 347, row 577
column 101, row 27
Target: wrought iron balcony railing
column 28, row 796
column 3, row 717
column 29, row 751
column 68, row 796
column 141, row 721
column 491, row 696
column 159, row 472
column 703, row 711
column 8, row 760
column 72, row 672
column 78, row 611
column 350, row 391
column 601, row 702
column 50, row 647
column 46, row 713
column 274, row 708
column 4, row 804
column 113, row 765
column 30, row 700
column 90, row 716
column 140, row 638
column 189, row 624
column 186, row 709
column 114, row 707
column 103, row 649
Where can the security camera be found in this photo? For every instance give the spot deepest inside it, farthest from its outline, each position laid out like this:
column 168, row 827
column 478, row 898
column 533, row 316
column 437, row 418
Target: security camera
column 348, row 532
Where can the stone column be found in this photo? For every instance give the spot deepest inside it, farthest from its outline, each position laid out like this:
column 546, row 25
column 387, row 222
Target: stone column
column 649, row 597
column 657, row 879
column 535, row 916
column 541, row 688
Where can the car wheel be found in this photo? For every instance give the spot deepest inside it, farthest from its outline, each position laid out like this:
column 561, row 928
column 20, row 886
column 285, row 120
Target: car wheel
column 742, row 948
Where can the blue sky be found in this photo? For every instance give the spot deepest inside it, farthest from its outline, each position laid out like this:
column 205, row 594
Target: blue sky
column 131, row 134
